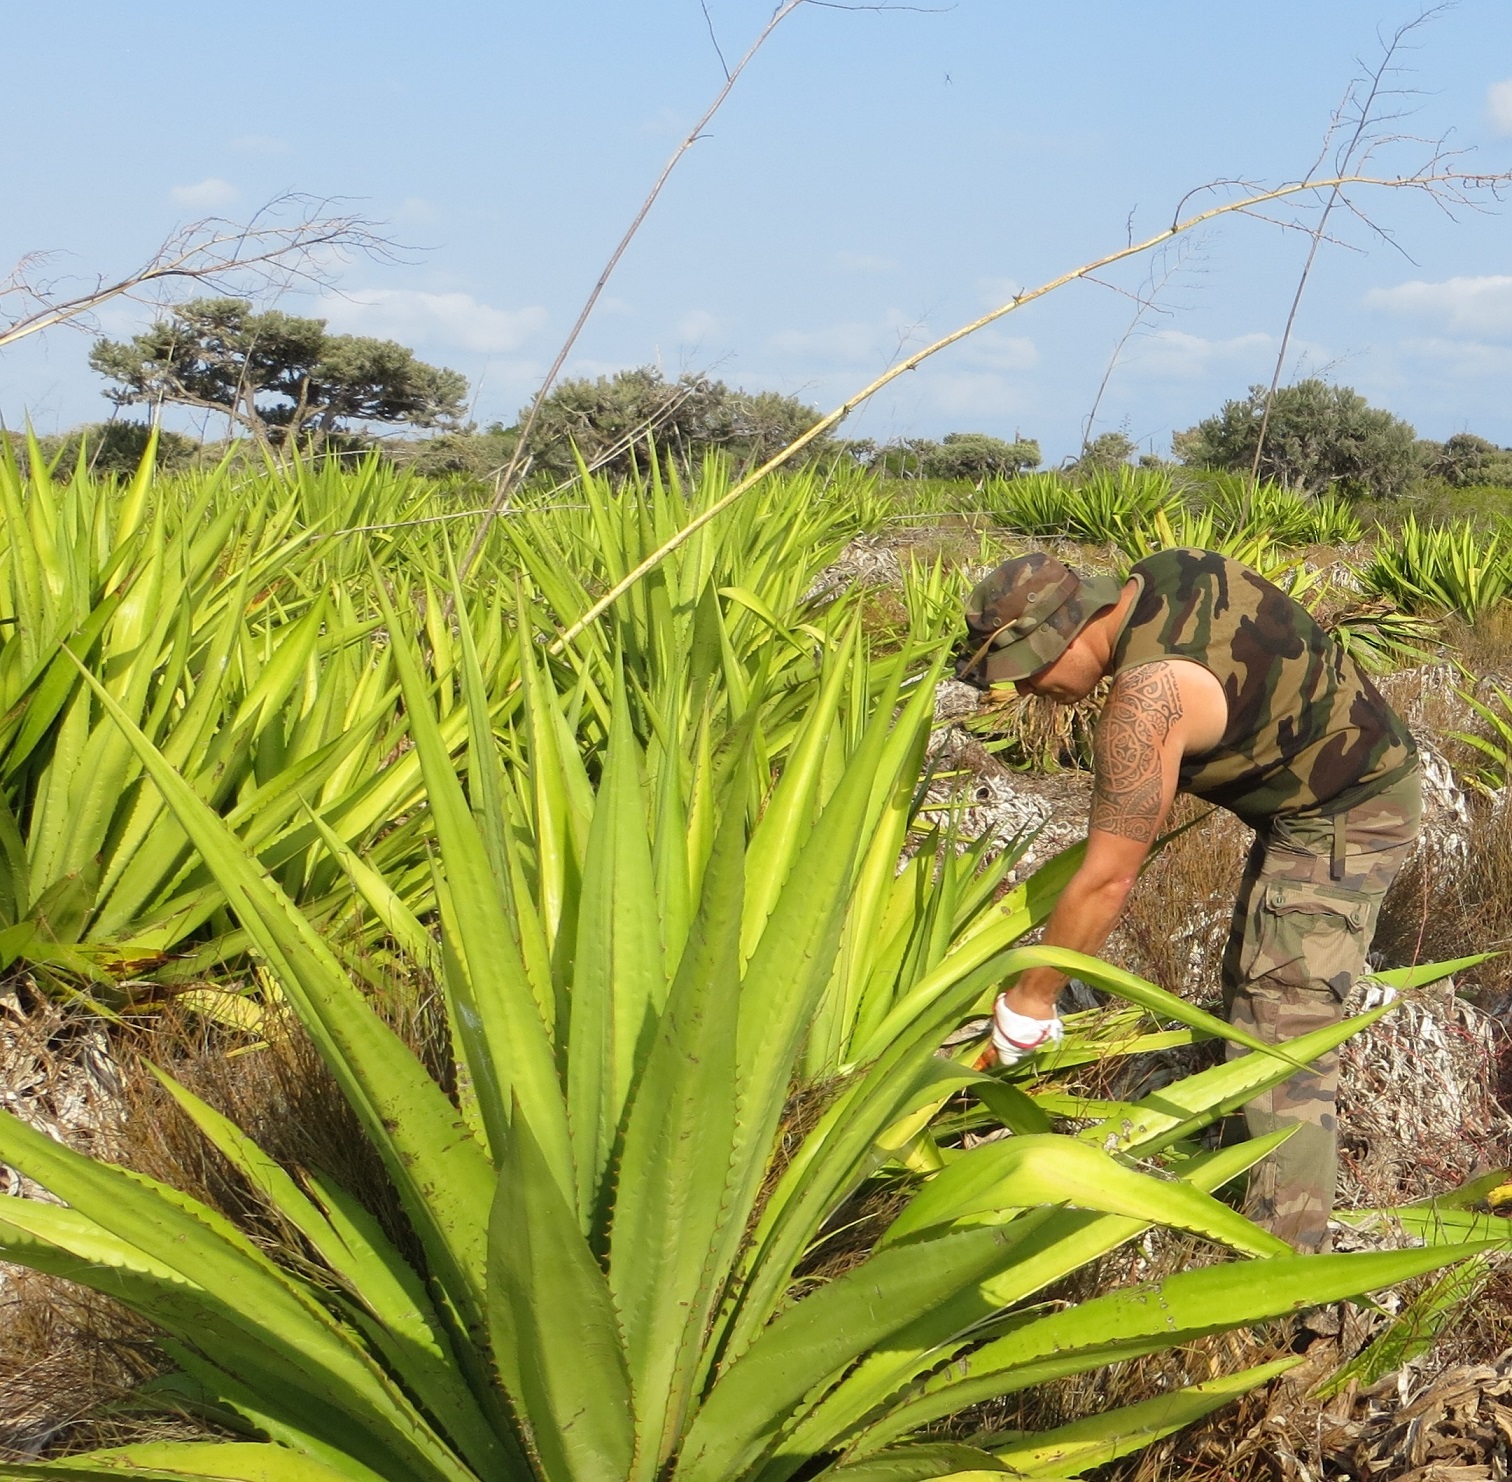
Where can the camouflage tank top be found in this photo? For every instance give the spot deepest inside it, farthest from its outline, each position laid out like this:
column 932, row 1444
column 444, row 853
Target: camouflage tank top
column 1307, row 731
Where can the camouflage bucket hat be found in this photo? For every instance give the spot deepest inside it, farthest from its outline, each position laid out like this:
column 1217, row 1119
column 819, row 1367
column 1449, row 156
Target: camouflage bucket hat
column 1023, row 616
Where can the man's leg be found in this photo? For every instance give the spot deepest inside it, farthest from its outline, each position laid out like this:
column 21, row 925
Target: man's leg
column 1301, row 931
column 1291, row 1192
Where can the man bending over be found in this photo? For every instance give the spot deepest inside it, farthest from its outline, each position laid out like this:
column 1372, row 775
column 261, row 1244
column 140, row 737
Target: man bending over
column 1225, row 688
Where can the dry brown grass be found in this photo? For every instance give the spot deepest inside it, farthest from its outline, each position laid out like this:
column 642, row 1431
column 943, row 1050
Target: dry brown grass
column 1452, row 1426
column 68, row 1357
column 58, row 1071
column 1419, row 1107
column 1482, row 1331
column 1427, row 698
column 1177, row 921
column 1484, row 647
column 954, row 541
column 852, row 1234
column 63, row 1351
column 280, row 1094
column 1450, row 1405
column 1453, row 899
column 1037, row 733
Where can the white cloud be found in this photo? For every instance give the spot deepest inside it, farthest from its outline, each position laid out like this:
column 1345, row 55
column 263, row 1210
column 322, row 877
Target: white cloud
column 1480, row 306
column 205, row 195
column 1499, row 106
column 697, row 324
column 1176, row 355
column 865, row 262
column 453, row 320
column 1461, row 359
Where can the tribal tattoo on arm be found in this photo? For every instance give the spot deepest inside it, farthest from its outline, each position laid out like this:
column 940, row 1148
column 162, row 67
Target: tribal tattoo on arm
column 1128, row 796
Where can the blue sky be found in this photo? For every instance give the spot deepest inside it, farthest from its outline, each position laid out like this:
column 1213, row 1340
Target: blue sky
column 875, row 180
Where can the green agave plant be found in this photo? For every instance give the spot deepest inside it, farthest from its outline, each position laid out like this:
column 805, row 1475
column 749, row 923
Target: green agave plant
column 1289, row 517
column 1494, row 742
column 1441, row 568
column 744, row 595
column 271, row 701
column 1107, row 508
column 1334, row 522
column 1031, row 504
column 611, row 1219
column 1206, row 530
column 1139, row 511
column 233, row 615
column 1110, row 507
column 1379, row 637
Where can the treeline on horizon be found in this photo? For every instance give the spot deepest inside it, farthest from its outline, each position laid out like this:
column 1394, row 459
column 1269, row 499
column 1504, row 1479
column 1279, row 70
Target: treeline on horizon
column 284, row 383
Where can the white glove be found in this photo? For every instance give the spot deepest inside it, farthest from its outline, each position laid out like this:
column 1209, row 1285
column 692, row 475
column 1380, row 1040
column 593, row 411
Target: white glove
column 1016, row 1036
column 1374, row 993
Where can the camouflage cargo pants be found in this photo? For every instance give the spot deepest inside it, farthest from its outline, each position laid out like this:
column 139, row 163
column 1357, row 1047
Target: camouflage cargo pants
column 1303, row 923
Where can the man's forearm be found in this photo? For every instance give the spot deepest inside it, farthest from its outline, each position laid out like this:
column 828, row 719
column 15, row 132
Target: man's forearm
column 1081, row 921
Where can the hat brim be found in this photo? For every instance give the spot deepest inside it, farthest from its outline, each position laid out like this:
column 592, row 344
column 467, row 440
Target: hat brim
column 1041, row 648
column 1024, row 658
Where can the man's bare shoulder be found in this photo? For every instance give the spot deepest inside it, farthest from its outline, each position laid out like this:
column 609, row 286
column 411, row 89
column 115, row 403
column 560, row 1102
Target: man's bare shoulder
column 1165, row 699
column 1155, row 714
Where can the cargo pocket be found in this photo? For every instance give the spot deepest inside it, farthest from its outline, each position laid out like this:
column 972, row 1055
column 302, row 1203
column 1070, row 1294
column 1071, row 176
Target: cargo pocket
column 1307, row 936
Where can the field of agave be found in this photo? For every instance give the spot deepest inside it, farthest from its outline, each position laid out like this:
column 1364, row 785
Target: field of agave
column 698, row 941
column 1422, row 567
